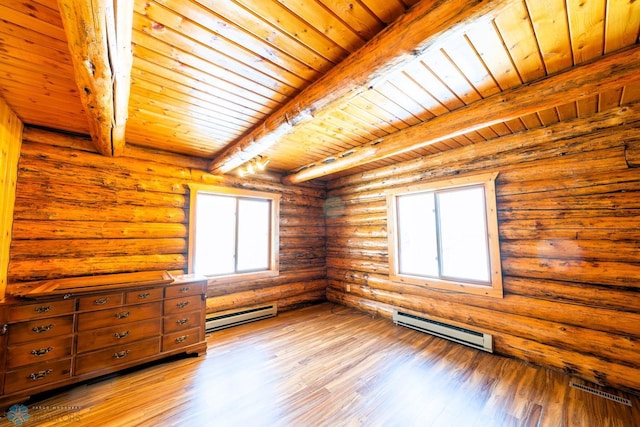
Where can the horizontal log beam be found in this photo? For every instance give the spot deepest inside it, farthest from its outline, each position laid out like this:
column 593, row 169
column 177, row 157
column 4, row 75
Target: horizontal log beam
column 99, row 37
column 391, row 49
column 299, row 301
column 302, row 242
column 572, row 293
column 301, row 231
column 490, row 153
column 264, row 295
column 596, row 227
column 48, row 145
column 556, row 160
column 581, row 250
column 52, row 268
column 579, row 184
column 623, row 274
column 610, row 320
column 469, row 155
column 287, row 266
column 37, row 189
column 78, row 211
column 43, row 136
column 299, row 275
column 608, row 73
column 90, row 229
column 78, row 248
column 632, row 153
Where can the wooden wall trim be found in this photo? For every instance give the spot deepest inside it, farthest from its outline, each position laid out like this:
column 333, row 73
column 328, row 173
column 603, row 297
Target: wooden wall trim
column 10, row 141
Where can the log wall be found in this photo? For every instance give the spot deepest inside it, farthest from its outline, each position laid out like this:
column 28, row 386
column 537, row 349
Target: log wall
column 10, row 139
column 80, row 213
column 568, row 200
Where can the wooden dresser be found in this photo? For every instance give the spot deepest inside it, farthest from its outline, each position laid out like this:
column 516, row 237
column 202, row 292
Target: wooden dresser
column 59, row 332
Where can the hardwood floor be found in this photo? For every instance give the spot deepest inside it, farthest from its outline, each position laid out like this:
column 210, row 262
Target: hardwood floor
column 328, row 365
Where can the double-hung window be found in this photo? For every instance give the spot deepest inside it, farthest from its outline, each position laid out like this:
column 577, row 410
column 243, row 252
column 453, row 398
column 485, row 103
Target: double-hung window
column 445, row 235
column 233, row 233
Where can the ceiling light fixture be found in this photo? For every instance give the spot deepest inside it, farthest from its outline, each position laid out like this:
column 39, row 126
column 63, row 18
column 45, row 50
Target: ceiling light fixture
column 262, row 162
column 253, row 166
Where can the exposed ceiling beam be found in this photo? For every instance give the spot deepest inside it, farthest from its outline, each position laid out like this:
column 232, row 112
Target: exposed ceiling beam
column 427, row 23
column 608, row 73
column 99, row 37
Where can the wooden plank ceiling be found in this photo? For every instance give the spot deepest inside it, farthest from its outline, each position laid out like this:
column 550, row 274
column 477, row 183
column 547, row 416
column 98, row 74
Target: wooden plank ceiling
column 208, row 75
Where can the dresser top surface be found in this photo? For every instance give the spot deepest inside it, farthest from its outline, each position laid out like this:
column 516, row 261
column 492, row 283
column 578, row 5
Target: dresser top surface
column 89, row 284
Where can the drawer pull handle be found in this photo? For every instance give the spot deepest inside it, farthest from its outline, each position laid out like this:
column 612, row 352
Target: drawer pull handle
column 43, row 309
column 41, row 351
column 181, row 322
column 145, row 295
column 40, row 374
column 123, row 315
column 182, row 304
column 40, row 329
column 181, row 339
column 120, row 335
column 121, row 354
column 185, row 289
column 101, row 301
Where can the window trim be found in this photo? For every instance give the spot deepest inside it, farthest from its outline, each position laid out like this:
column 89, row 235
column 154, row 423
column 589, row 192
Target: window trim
column 494, row 287
column 274, row 260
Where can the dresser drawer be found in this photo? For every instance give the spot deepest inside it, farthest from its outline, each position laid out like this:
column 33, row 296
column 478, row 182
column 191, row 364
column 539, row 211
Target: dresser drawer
column 185, row 290
column 118, row 316
column 113, row 356
column 98, row 302
column 182, row 305
column 180, row 339
column 39, row 310
column 143, row 295
column 40, row 329
column 38, row 351
column 117, row 335
column 180, row 321
column 37, row 375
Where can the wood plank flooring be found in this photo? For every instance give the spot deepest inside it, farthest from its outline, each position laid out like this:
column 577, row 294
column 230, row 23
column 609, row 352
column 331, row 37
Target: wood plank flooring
column 328, row 365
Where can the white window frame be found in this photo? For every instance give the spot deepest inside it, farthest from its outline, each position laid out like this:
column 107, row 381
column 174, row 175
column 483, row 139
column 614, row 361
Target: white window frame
column 493, row 287
column 274, row 257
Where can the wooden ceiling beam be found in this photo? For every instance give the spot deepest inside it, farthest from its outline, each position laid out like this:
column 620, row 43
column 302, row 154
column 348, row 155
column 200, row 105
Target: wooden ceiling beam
column 427, row 23
column 99, row 38
column 610, row 72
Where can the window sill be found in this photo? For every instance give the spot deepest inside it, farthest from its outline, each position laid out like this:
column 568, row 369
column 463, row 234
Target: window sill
column 233, row 278
column 490, row 290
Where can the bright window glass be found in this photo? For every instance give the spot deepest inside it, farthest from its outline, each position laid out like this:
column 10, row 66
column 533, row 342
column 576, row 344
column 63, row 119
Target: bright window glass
column 463, row 234
column 417, row 238
column 253, row 234
column 233, row 234
column 215, row 234
column 445, row 235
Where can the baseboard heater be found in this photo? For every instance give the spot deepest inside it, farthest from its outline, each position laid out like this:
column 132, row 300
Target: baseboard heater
column 460, row 335
column 217, row 321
